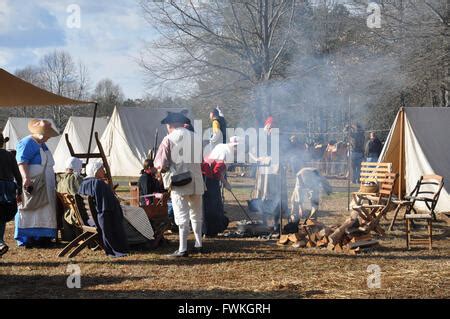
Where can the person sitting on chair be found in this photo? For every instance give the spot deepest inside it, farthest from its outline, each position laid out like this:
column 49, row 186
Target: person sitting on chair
column 109, row 213
column 121, row 226
column 69, row 183
column 149, row 183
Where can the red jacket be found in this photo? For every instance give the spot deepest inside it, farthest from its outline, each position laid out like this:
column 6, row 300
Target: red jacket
column 213, row 170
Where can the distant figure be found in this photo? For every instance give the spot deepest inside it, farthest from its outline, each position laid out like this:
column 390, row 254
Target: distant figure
column 10, row 190
column 308, row 185
column 219, row 133
column 295, row 154
column 357, row 140
column 373, row 148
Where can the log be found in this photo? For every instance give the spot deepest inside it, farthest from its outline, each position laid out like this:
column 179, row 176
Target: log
column 300, row 244
column 310, row 244
column 362, row 244
column 339, row 233
column 283, row 239
column 338, row 248
column 294, row 238
column 366, row 237
column 323, row 242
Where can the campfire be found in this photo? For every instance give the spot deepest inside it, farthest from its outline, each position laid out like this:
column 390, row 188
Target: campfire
column 314, row 234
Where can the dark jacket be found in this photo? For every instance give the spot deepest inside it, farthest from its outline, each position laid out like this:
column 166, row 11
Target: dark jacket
column 357, row 141
column 373, row 147
column 110, row 216
column 10, row 185
column 9, row 170
column 148, row 185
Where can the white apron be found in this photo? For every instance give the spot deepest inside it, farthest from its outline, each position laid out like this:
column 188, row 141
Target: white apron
column 44, row 217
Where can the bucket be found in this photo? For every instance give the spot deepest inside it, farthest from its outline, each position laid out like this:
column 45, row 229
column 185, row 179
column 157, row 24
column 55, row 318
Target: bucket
column 255, row 205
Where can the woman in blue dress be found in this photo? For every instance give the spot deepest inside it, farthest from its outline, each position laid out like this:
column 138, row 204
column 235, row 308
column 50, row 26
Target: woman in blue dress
column 37, row 227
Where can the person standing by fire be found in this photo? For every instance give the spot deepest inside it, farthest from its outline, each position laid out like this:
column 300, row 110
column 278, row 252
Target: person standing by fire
column 214, row 171
column 271, row 186
column 308, row 184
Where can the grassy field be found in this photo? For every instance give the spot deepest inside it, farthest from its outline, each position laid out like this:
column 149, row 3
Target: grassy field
column 237, row 268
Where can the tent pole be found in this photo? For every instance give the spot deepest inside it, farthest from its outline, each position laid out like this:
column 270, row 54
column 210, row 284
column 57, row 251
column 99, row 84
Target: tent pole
column 92, row 132
column 401, row 159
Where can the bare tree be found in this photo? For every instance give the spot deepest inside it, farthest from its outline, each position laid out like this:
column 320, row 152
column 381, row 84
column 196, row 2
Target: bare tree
column 62, row 76
column 31, row 74
column 246, row 39
column 416, row 32
column 108, row 95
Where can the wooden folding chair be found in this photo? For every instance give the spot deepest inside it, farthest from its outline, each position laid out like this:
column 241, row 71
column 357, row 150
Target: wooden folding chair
column 134, row 194
column 427, row 191
column 157, row 212
column 371, row 214
column 89, row 236
column 372, row 174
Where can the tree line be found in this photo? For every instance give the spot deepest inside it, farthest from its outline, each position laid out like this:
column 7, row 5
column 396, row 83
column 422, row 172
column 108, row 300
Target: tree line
column 313, row 65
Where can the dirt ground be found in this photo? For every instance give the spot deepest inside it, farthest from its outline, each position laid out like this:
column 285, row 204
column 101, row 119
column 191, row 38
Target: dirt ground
column 238, row 267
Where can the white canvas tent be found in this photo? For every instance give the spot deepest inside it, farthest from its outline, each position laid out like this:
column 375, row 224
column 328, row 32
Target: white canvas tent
column 129, row 137
column 17, row 128
column 418, row 144
column 78, row 130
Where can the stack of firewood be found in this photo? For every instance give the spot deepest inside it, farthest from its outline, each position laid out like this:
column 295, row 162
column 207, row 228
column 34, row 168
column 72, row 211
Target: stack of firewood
column 315, row 234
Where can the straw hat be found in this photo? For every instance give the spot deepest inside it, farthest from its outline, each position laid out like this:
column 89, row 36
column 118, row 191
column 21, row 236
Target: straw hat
column 42, row 127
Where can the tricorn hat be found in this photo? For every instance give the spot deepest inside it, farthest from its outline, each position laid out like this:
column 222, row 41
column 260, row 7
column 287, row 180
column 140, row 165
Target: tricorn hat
column 175, row 118
column 42, row 127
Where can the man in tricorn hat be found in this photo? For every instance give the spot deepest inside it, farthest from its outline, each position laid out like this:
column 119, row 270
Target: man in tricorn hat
column 183, row 176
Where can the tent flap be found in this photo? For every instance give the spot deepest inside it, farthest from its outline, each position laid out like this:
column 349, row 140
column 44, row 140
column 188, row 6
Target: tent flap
column 17, row 92
column 426, row 150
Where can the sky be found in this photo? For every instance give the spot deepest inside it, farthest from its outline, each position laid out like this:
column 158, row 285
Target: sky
column 109, row 40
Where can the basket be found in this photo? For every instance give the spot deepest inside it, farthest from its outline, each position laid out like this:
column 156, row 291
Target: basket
column 369, row 188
